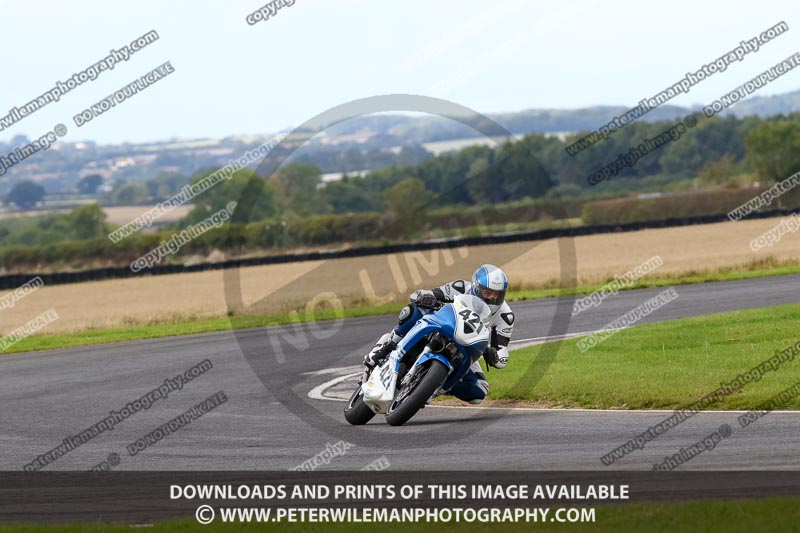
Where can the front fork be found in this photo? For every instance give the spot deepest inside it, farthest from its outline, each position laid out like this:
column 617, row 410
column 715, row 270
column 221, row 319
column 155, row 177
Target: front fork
column 438, row 348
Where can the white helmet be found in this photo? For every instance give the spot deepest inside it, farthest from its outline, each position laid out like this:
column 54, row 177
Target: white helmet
column 490, row 284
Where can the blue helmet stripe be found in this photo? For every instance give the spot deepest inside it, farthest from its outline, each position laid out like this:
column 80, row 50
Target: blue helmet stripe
column 483, row 276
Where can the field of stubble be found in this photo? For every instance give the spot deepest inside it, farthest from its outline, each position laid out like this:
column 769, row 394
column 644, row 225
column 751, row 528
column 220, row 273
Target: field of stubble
column 379, row 279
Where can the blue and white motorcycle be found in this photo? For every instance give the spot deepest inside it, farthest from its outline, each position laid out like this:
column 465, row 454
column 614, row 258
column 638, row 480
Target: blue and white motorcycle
column 433, row 356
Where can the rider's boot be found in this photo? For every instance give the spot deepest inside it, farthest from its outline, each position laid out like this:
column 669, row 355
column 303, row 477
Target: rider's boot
column 437, row 392
column 382, row 349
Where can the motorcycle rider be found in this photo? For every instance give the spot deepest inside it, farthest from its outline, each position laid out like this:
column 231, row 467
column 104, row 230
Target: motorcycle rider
column 490, row 284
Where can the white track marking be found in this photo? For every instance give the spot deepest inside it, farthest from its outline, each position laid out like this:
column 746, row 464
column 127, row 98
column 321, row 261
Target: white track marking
column 524, row 343
column 553, row 337
column 335, row 370
column 317, row 393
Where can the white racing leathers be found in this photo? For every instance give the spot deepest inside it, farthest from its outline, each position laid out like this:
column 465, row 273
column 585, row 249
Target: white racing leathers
column 502, row 322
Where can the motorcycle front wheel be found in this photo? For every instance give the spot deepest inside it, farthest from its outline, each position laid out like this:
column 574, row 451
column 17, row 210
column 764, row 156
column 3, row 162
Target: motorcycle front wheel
column 357, row 412
column 413, row 396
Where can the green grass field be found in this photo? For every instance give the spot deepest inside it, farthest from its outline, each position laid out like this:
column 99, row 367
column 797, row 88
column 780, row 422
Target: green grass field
column 664, row 365
column 732, row 516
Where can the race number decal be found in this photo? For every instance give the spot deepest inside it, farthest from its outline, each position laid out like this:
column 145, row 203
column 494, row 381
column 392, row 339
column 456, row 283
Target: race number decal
column 386, row 375
column 473, row 319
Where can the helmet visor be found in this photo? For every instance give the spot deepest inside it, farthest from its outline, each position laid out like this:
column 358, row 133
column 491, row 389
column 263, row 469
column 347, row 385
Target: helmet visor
column 491, row 296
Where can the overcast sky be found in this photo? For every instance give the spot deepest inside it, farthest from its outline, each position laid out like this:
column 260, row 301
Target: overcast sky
column 233, row 78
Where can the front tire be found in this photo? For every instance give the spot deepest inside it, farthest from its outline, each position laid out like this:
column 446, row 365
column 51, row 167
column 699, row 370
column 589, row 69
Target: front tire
column 357, row 412
column 406, row 404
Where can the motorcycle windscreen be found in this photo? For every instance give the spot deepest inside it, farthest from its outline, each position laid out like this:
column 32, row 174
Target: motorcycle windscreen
column 471, row 331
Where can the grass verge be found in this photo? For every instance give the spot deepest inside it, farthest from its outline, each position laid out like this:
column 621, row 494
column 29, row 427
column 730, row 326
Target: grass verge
column 665, row 365
column 767, row 515
column 103, row 336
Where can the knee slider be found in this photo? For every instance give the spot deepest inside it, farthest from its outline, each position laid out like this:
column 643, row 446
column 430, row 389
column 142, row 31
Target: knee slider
column 483, row 385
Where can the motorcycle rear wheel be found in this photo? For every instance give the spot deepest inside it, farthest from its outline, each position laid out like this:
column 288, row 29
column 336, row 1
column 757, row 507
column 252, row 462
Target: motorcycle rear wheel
column 423, row 384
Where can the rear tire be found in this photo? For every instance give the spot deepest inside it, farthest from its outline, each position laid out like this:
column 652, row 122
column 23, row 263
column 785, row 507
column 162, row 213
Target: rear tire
column 401, row 412
column 356, row 412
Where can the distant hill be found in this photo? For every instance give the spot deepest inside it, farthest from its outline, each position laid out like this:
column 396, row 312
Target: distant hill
column 363, row 143
column 406, row 129
column 764, row 106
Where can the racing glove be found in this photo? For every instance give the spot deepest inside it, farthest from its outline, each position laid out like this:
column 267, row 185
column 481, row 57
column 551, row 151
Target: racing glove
column 491, row 357
column 424, row 298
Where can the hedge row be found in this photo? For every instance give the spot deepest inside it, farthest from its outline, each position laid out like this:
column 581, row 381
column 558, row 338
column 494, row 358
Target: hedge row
column 502, row 214
column 678, row 205
column 271, row 234
column 319, row 230
column 309, row 231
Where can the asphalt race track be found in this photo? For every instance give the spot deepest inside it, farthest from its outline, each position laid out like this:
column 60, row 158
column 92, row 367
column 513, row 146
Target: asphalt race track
column 47, row 396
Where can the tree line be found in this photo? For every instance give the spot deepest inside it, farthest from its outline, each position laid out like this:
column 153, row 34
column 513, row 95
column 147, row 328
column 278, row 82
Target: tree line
column 291, row 206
